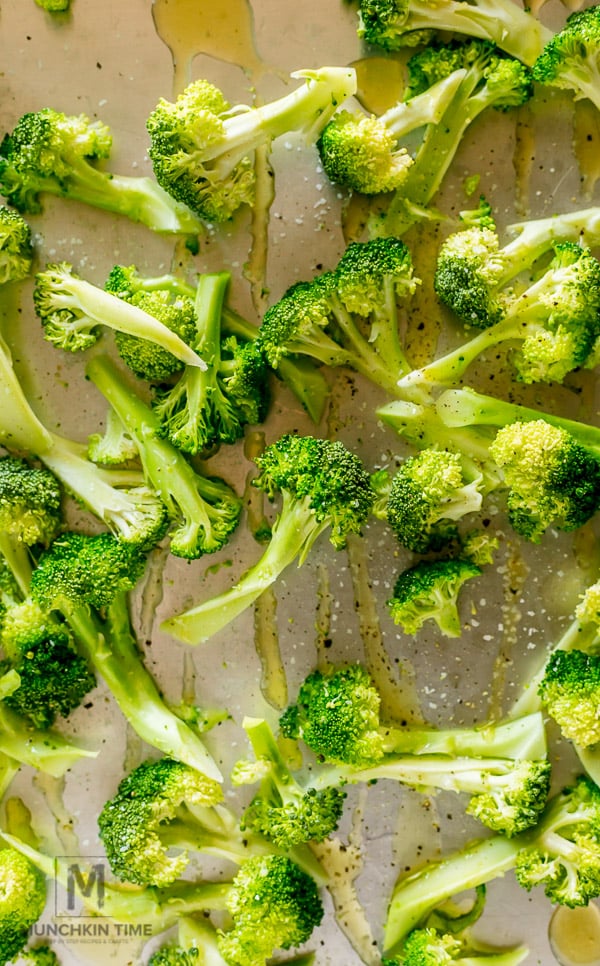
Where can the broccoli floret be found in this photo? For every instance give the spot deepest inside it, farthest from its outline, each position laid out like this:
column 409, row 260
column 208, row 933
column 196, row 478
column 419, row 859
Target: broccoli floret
column 212, row 406
column 274, row 905
column 570, row 692
column 492, row 80
column 49, row 152
column 552, row 479
column 54, row 6
column 201, row 148
column 22, row 901
column 16, row 249
column 560, row 853
column 393, row 24
column 195, row 945
column 365, row 152
column 72, row 311
column 427, row 495
column 569, row 59
column 149, row 802
column 429, row 591
column 323, row 487
column 114, row 446
column 431, row 947
column 38, row 956
column 206, row 510
column 554, row 321
column 30, row 502
column 283, row 810
column 347, row 316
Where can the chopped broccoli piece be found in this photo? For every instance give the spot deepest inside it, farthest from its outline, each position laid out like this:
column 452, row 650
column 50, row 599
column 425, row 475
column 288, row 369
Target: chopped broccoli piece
column 365, row 152
column 324, row 487
column 393, row 24
column 212, row 406
column 347, row 316
column 570, row 692
column 195, row 944
column 114, row 446
column 71, row 311
column 49, row 152
column 30, row 501
column 431, row 947
column 206, row 510
column 201, row 148
column 22, row 901
column 569, row 59
column 54, row 6
column 16, row 250
column 429, row 591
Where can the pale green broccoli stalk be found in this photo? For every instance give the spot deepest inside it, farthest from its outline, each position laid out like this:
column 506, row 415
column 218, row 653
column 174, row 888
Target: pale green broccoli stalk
column 569, row 59
column 86, row 579
column 475, row 273
column 195, row 943
column 16, row 249
column 394, row 24
column 205, row 510
column 72, row 310
column 49, row 152
column 202, row 149
column 212, row 406
column 323, row 487
column 22, row 901
column 429, row 590
column 431, row 947
column 428, row 494
column 283, row 810
column 570, row 693
column 560, row 853
column 113, row 446
column 555, row 322
column 347, row 316
column 120, row 499
column 365, row 152
column 492, row 80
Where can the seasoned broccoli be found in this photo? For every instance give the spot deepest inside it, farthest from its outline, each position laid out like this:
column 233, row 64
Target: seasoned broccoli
column 79, row 574
column 283, row 810
column 570, row 693
column 492, row 80
column 365, row 152
column 559, row 853
column 429, row 946
column 54, row 6
column 30, row 502
column 212, row 406
column 22, row 901
column 393, row 24
column 72, row 310
column 555, row 320
column 16, row 249
column 347, row 316
column 205, row 510
column 429, row 590
column 49, row 152
column 201, row 148
column 323, row 487
column 569, row 59
column 427, row 494
column 113, row 446
column 196, row 943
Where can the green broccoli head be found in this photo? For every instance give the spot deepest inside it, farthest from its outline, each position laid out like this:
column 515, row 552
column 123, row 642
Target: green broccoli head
column 22, row 901
column 428, row 493
column 382, row 23
column 552, row 480
column 336, row 714
column 512, row 803
column 570, row 692
column 16, row 249
column 370, row 274
column 309, row 817
column 146, row 801
column 274, row 905
column 244, row 376
column 82, row 569
column 429, row 946
column 569, row 59
column 30, row 501
column 562, row 853
column 469, row 265
column 429, row 591
column 362, row 152
column 145, row 358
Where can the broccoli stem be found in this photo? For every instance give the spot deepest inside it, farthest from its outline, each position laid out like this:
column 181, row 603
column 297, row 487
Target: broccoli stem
column 520, row 737
column 382, row 365
column 534, row 237
column 294, row 532
column 16, row 555
column 112, row 650
column 140, row 199
column 46, row 750
column 420, row 893
column 422, row 109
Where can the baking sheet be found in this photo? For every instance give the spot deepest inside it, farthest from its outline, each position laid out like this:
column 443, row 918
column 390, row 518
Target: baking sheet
column 113, row 61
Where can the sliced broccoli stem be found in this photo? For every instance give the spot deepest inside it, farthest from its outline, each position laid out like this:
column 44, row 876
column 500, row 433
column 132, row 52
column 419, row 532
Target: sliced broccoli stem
column 522, row 736
column 294, row 532
column 420, row 893
column 307, row 109
column 19, row 426
column 361, row 355
column 140, row 199
column 112, row 650
column 422, row 109
column 535, row 237
column 43, row 749
column 16, row 554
